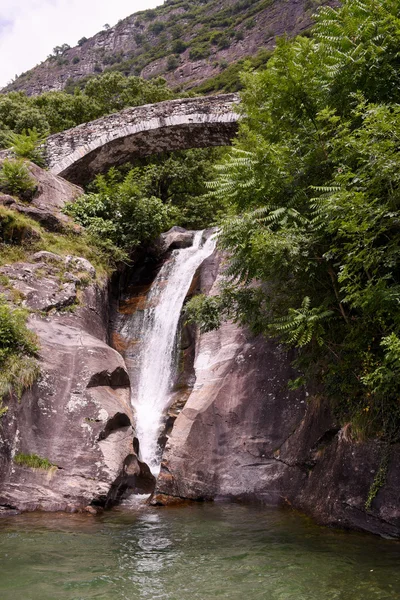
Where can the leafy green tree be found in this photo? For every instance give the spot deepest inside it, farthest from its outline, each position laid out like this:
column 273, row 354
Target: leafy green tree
column 113, row 92
column 314, row 177
column 179, row 179
column 56, row 111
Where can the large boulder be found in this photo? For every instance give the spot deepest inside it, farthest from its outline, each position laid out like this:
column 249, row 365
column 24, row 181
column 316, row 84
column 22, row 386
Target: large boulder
column 77, row 415
column 175, row 238
column 238, row 415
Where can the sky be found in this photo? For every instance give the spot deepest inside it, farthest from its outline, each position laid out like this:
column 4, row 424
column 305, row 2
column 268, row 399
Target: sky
column 30, row 29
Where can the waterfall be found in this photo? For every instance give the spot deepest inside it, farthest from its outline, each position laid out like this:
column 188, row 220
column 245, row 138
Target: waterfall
column 157, row 343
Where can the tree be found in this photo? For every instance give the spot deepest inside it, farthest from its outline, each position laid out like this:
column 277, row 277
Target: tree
column 314, row 179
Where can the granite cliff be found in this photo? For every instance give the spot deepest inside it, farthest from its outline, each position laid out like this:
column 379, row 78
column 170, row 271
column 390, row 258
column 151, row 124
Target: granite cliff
column 185, row 42
column 234, row 430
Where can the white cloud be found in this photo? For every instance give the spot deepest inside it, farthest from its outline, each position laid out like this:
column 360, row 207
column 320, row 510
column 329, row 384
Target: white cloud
column 30, row 29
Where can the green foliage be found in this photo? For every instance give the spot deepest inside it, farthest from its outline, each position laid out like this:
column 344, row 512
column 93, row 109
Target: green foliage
column 55, row 111
column 33, row 461
column 18, row 347
column 119, row 214
column 27, row 145
column 124, row 209
column 15, row 338
column 230, row 79
column 172, row 62
column 15, row 179
column 178, row 179
column 199, row 51
column 17, row 373
column 205, row 311
column 16, row 228
column 379, row 479
column 178, row 46
column 315, row 246
column 156, row 27
column 302, row 325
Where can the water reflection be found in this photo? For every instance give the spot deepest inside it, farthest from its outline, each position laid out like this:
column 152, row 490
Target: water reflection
column 147, row 553
column 192, row 553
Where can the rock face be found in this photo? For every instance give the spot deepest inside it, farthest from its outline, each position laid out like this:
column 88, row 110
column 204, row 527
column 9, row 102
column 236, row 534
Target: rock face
column 77, row 415
column 132, row 43
column 175, row 238
column 48, row 200
column 243, row 435
column 80, row 153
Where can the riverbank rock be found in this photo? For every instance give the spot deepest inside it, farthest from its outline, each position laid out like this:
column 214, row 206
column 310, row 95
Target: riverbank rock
column 77, row 416
column 175, row 238
column 243, row 435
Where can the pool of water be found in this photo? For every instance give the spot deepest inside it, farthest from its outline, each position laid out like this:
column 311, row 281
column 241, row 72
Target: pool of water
column 197, row 552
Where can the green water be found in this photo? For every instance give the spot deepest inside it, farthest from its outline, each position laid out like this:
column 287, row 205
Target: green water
column 192, row 553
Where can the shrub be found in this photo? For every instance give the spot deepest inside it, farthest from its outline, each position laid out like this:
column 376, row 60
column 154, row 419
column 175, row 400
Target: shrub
column 75, row 60
column 250, row 23
column 28, row 145
column 82, row 41
column 178, row 46
column 156, row 27
column 15, row 337
column 120, row 214
column 199, row 52
column 172, row 62
column 149, row 15
column 18, row 347
column 15, row 179
column 16, row 228
column 17, row 374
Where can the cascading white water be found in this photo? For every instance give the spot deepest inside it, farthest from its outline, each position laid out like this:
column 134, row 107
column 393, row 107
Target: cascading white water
column 158, row 334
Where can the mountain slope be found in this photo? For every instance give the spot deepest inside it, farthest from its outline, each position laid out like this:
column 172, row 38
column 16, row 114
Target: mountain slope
column 187, row 42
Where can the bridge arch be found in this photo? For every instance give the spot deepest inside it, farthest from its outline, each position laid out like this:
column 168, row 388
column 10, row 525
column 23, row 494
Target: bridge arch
column 78, row 154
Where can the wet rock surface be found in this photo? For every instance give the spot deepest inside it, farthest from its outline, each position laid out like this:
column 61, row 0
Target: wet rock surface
column 175, row 238
column 242, row 435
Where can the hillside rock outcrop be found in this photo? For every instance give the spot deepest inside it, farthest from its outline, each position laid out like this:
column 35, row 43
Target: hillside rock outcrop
column 130, row 46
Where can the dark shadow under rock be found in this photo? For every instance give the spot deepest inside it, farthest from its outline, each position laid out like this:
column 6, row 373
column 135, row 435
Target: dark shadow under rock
column 135, row 478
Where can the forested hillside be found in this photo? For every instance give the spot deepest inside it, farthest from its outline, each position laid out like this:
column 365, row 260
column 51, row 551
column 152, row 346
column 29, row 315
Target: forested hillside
column 187, row 42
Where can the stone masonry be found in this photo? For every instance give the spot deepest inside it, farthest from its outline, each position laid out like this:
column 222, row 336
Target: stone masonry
column 78, row 154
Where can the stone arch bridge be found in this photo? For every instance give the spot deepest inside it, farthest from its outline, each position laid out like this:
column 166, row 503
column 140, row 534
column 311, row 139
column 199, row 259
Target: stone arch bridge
column 80, row 153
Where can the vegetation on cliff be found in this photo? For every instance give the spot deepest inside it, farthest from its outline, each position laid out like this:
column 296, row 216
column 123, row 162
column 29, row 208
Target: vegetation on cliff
column 18, row 347
column 314, row 178
column 187, row 42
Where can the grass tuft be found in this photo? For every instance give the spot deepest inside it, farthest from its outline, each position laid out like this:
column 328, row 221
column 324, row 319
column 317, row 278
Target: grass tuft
column 33, row 461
